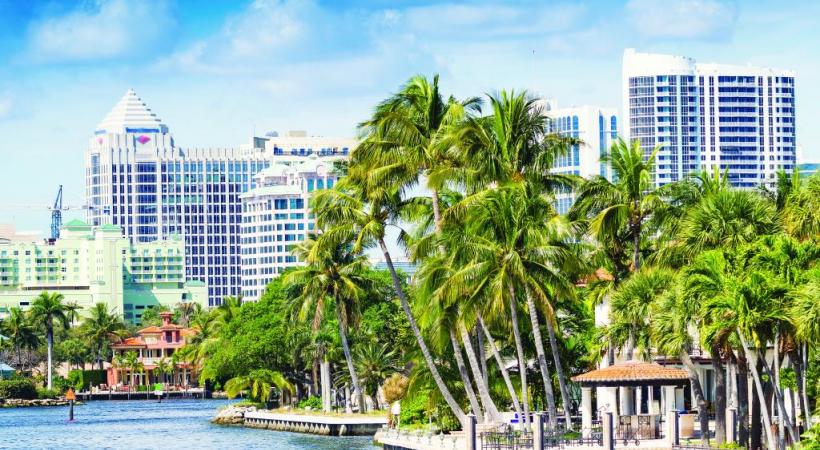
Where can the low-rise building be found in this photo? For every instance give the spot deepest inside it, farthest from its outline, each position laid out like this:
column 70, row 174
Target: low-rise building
column 90, row 265
column 154, row 348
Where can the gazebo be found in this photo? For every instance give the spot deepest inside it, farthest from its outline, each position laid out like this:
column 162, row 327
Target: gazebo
column 629, row 374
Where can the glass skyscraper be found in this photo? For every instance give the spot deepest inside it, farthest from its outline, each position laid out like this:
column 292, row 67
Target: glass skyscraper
column 139, row 179
column 739, row 119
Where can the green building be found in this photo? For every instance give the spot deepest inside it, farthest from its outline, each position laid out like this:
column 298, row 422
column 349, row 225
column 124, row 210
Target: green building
column 90, row 265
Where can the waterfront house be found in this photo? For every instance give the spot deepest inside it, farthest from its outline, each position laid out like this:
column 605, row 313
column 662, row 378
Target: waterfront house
column 154, row 347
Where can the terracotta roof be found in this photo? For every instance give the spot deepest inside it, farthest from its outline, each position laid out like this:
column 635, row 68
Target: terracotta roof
column 130, row 342
column 151, row 329
column 632, row 372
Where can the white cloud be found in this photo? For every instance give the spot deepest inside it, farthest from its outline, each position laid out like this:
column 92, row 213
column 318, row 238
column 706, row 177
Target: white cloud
column 683, row 19
column 109, row 29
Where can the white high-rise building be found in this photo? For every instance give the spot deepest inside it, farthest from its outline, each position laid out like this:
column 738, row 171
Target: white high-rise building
column 276, row 216
column 139, row 179
column 740, row 119
column 597, row 128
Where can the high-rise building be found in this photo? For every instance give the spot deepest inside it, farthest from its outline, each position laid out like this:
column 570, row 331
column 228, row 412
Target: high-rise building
column 276, row 216
column 597, row 128
column 739, row 119
column 139, row 179
column 90, row 265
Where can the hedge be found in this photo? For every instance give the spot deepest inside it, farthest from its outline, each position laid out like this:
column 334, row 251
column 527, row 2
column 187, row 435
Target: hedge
column 83, row 379
column 18, row 388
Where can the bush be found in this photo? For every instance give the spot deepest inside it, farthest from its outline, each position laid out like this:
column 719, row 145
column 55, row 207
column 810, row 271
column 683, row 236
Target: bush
column 312, row 402
column 18, row 388
column 142, row 388
column 44, row 393
column 82, row 380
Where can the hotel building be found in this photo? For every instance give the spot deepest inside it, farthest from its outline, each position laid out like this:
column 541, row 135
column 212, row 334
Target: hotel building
column 740, row 119
column 90, row 265
column 597, row 128
column 139, row 179
column 276, row 216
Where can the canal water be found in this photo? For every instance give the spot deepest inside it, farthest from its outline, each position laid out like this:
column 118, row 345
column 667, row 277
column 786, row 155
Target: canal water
column 146, row 424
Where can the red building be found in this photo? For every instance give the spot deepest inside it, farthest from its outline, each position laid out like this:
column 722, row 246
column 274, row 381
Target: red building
column 154, row 348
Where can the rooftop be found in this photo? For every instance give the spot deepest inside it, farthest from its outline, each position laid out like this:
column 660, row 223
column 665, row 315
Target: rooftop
column 131, row 114
column 633, row 373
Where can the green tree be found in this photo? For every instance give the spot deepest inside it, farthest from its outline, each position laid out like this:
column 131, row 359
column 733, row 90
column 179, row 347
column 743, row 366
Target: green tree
column 21, row 333
column 332, row 272
column 260, row 383
column 100, row 328
column 45, row 309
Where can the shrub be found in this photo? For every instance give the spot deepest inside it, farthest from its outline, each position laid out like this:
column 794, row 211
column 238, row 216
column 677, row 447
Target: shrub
column 312, row 402
column 44, row 393
column 82, row 380
column 18, row 388
column 395, row 388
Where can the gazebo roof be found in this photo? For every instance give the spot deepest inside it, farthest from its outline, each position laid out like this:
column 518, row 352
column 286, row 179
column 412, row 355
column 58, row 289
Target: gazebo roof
column 633, row 373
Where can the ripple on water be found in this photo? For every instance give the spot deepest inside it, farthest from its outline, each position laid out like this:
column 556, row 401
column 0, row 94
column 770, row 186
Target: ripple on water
column 146, row 424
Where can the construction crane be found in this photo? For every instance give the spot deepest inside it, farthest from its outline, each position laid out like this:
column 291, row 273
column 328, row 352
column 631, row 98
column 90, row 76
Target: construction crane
column 57, row 214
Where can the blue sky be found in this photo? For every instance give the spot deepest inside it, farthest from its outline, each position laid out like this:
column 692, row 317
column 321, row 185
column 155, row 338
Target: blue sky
column 215, row 71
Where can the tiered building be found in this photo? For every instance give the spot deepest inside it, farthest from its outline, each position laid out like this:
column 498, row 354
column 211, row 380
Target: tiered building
column 139, row 179
column 276, row 216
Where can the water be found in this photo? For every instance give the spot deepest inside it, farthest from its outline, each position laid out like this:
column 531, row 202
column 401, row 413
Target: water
column 143, row 424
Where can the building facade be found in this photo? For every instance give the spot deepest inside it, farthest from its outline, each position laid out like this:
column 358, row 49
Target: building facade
column 597, row 128
column 276, row 216
column 90, row 265
column 739, row 119
column 139, row 179
column 154, row 348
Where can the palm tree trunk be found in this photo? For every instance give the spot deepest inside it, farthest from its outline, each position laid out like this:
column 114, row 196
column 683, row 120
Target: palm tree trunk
column 428, row 357
column 805, row 396
column 353, row 377
column 519, row 350
column 542, row 361
column 482, row 356
column 436, row 210
column 504, row 373
column 743, row 401
column 559, row 370
column 697, row 391
column 50, row 338
column 465, row 377
column 636, row 246
column 483, row 389
column 781, row 407
column 720, row 397
column 767, row 419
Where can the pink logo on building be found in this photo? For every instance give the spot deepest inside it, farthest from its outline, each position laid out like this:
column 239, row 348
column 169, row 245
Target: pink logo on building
column 143, row 139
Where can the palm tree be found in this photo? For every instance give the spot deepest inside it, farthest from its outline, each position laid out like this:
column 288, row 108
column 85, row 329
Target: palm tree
column 45, row 309
column 186, row 311
column 102, row 327
column 406, row 138
column 131, row 361
column 621, row 208
column 165, row 367
column 333, row 273
column 260, row 382
column 801, row 212
column 360, row 211
column 375, row 363
column 22, row 335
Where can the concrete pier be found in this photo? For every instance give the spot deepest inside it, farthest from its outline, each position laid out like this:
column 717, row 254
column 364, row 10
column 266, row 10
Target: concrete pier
column 322, row 425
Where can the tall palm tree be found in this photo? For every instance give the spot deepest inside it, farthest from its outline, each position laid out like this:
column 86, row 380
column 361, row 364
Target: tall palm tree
column 186, row 311
column 406, row 138
column 332, row 272
column 801, row 212
column 102, row 327
column 359, row 211
column 45, row 309
column 20, row 332
column 621, row 208
column 131, row 361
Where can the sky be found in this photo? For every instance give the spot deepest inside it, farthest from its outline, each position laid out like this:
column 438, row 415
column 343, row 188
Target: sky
column 217, row 71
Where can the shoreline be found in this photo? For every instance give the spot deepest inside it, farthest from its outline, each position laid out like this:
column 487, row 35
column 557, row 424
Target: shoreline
column 35, row 403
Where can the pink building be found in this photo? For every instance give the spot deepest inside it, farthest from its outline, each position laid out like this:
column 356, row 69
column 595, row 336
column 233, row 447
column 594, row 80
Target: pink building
column 154, row 347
